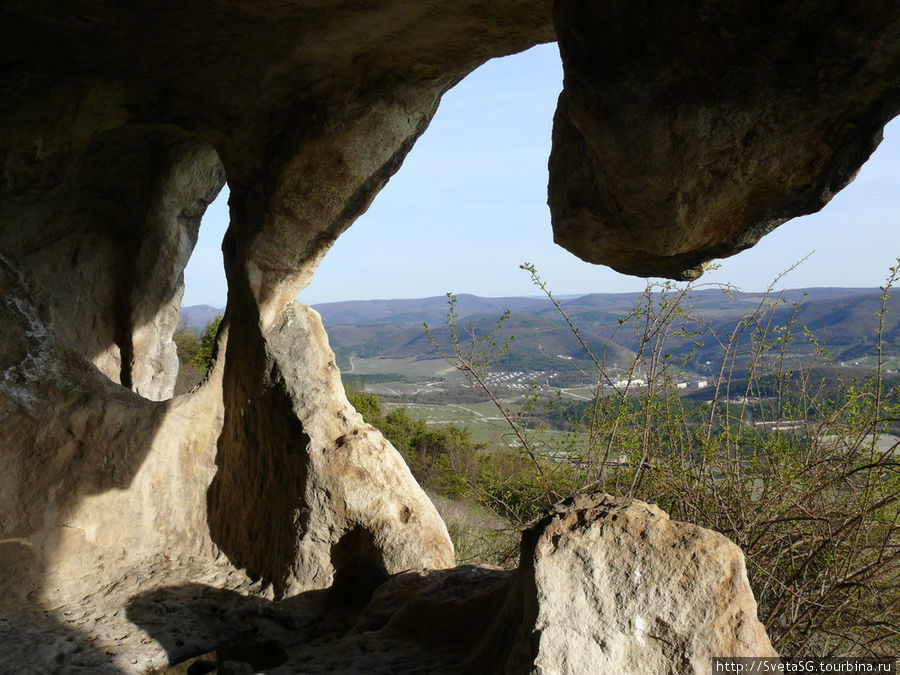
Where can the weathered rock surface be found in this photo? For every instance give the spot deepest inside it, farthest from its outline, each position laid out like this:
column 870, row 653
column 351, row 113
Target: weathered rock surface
column 119, row 124
column 109, row 245
column 99, row 479
column 610, row 584
column 95, row 478
column 682, row 133
column 604, row 585
column 703, row 126
column 319, row 491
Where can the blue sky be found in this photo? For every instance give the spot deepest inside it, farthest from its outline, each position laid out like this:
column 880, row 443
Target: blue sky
column 469, row 206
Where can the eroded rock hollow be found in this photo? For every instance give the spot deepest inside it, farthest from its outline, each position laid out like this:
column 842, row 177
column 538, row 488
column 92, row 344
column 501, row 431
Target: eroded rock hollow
column 684, row 132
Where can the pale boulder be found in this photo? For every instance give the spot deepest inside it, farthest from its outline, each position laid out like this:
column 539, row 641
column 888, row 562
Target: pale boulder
column 612, row 585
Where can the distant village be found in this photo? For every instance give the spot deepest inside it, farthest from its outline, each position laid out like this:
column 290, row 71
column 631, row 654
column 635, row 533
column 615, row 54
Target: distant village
column 528, row 379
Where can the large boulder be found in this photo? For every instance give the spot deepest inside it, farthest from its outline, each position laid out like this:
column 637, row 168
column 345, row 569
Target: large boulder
column 611, row 584
column 688, row 130
column 604, row 585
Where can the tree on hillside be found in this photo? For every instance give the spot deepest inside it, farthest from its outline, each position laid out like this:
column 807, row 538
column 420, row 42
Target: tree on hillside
column 195, row 354
column 203, row 357
column 367, row 405
column 187, row 343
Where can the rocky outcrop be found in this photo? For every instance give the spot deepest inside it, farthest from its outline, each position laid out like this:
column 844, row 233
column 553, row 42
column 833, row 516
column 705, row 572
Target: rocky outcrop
column 683, row 132
column 701, row 127
column 306, row 494
column 612, row 585
column 604, row 585
column 119, row 125
column 96, row 478
column 101, row 478
column 109, row 245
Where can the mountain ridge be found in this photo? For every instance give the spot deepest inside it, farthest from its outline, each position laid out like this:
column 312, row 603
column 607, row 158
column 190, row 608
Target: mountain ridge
column 380, row 310
column 842, row 318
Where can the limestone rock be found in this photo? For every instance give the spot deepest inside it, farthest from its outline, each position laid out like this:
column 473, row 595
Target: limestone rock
column 109, row 247
column 96, row 478
column 605, row 585
column 687, row 131
column 104, row 495
column 118, row 124
column 611, row 584
column 300, row 470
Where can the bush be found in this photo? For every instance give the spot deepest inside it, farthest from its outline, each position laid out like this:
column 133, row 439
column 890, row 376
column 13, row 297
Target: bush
column 795, row 468
column 202, row 359
column 195, row 354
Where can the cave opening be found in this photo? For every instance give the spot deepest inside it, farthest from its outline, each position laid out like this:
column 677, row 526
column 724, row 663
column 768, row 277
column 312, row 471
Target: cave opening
column 205, row 291
column 112, row 250
column 204, row 274
column 444, row 223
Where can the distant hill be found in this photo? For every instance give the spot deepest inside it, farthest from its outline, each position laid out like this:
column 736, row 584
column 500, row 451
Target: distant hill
column 414, row 312
column 541, row 342
column 843, row 318
column 196, row 317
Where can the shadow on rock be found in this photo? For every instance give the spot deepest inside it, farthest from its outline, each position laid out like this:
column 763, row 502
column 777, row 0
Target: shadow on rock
column 35, row 642
column 416, row 622
column 193, row 620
